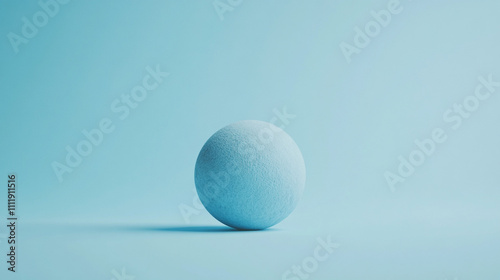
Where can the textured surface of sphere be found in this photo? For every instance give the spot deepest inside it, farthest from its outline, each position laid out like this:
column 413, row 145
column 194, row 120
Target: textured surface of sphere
column 250, row 175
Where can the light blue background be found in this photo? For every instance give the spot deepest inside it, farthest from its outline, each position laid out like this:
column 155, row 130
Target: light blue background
column 352, row 122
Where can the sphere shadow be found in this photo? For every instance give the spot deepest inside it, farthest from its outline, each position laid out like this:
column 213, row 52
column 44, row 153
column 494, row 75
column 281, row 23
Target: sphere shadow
column 166, row 229
column 191, row 229
column 196, row 229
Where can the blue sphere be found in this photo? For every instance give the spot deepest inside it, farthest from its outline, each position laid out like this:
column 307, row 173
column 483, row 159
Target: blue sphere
column 250, row 175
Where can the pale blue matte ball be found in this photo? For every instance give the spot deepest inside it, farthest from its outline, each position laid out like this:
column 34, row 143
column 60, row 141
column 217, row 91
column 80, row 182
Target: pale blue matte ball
column 250, row 175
